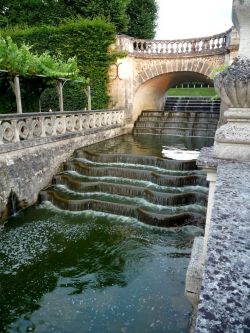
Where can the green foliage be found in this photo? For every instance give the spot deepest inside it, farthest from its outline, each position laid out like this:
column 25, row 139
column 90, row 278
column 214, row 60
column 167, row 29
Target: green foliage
column 142, row 15
column 53, row 12
column 111, row 10
column 20, row 60
column 88, row 41
column 134, row 17
column 218, row 70
column 30, row 12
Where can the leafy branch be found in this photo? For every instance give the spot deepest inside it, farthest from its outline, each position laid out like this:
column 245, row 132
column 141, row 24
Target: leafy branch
column 20, row 60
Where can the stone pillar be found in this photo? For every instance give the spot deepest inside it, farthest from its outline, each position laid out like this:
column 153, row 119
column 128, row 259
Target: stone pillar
column 232, row 140
column 241, row 20
column 233, row 46
column 121, row 76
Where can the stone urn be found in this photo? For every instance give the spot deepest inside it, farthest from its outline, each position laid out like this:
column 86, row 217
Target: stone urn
column 232, row 140
column 233, row 85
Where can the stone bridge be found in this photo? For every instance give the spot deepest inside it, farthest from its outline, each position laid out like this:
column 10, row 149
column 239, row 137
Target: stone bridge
column 140, row 80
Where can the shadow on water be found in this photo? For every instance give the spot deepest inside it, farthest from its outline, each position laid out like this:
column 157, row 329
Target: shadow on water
column 93, row 272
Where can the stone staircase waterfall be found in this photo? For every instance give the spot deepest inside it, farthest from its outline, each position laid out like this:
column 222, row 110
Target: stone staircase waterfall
column 182, row 116
column 156, row 191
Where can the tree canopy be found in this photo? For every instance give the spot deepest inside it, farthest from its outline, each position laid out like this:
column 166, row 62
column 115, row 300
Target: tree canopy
column 143, row 15
column 134, row 17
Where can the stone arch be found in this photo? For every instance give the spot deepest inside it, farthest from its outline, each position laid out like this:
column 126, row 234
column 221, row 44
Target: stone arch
column 176, row 65
column 151, row 84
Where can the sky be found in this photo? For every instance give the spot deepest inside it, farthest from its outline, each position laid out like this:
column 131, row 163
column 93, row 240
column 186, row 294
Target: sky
column 193, row 18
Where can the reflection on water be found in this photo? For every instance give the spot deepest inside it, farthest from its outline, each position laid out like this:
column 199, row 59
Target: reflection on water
column 149, row 144
column 93, row 272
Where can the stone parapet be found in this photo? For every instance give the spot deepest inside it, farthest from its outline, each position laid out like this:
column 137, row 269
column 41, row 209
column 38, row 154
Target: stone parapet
column 224, row 301
column 192, row 46
column 35, row 127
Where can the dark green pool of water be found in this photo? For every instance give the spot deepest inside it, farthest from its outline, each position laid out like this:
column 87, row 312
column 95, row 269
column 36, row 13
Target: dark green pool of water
column 149, row 144
column 93, row 272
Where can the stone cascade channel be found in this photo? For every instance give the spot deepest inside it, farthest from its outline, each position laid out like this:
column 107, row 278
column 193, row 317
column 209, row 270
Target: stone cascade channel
column 182, row 116
column 156, row 191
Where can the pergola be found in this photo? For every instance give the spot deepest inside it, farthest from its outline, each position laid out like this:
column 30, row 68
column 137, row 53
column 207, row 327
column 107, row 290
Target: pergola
column 60, row 82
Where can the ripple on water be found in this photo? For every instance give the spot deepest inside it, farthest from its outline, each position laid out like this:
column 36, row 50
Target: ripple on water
column 26, row 243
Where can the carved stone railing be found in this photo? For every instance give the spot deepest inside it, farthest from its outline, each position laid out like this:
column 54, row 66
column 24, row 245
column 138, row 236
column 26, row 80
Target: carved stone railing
column 30, row 126
column 195, row 46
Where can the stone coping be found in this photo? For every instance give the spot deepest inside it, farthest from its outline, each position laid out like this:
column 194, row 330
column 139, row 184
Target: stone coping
column 206, row 160
column 8, row 147
column 224, row 304
column 197, row 54
column 49, row 114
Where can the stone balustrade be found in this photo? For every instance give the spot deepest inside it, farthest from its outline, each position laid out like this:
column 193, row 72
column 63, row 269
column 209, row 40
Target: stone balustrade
column 29, row 126
column 213, row 44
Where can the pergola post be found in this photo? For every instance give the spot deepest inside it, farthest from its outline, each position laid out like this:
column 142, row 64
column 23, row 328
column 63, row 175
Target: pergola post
column 59, row 86
column 88, row 94
column 17, row 92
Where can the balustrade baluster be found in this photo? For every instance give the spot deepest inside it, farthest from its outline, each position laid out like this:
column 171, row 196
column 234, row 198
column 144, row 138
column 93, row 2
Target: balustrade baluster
column 53, row 120
column 166, row 50
column 193, row 46
column 160, row 47
column 152, row 48
column 206, row 44
column 177, row 47
column 212, row 43
column 224, row 41
column 171, row 47
column 181, row 47
column 202, row 45
column 217, row 43
column 16, row 133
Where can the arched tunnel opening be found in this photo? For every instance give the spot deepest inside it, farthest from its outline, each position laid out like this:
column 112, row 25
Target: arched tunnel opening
column 152, row 93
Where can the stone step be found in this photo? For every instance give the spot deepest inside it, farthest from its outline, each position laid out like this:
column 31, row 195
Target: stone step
column 194, row 103
column 156, row 219
column 137, row 159
column 175, row 131
column 155, row 197
column 176, row 124
column 192, row 99
column 154, row 177
column 191, row 108
column 192, row 113
column 179, row 117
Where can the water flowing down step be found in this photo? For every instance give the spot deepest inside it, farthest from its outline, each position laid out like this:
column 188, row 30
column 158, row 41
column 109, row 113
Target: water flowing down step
column 156, row 191
column 182, row 116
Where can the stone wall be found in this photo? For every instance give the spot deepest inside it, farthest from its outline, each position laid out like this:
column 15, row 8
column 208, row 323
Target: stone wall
column 24, row 172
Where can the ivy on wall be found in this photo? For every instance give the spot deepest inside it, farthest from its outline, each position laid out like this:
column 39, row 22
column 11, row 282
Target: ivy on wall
column 88, row 41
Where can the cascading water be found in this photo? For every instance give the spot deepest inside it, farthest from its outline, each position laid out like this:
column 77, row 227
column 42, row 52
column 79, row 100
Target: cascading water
column 91, row 256
column 182, row 116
